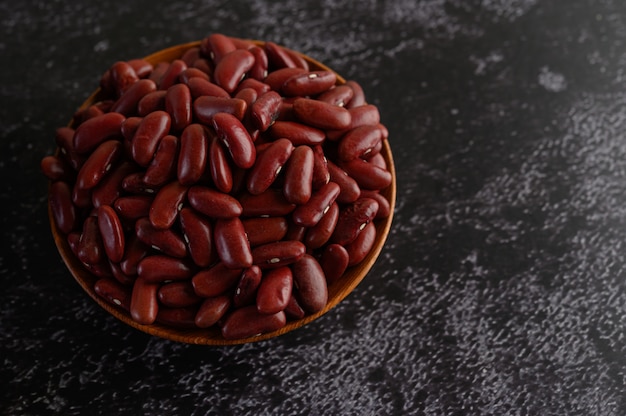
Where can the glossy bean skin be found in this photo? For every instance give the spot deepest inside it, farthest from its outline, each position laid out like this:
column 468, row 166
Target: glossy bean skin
column 278, row 57
column 367, row 175
column 259, row 86
column 191, row 72
column 113, row 292
column 297, row 133
column 259, row 69
column 277, row 78
column 178, row 294
column 293, row 310
column 141, row 67
column 81, row 197
column 129, row 127
column 150, row 131
column 364, row 115
column 64, row 138
column 245, row 291
column 144, row 304
column 133, row 207
column 358, row 96
column 206, row 107
column 339, row 96
column 200, row 87
column 163, row 166
column 321, row 174
column 122, row 76
column 231, row 68
column 277, row 254
column 310, row 281
column 215, row 281
column 384, row 208
column 112, row 233
column 159, row 268
column 320, row 233
column 63, row 210
column 135, row 251
column 177, row 317
column 359, row 142
column 216, row 46
column 360, row 247
column 274, row 291
column 198, row 234
column 352, row 220
column 320, row 114
column 311, row 213
column 95, row 131
column 171, row 74
column 264, row 230
column 249, row 95
column 268, row 165
column 178, row 106
column 248, row 322
column 166, row 205
column 127, row 104
column 90, row 249
column 98, row 164
column 220, row 169
column 213, row 203
column 236, row 139
column 349, row 188
column 265, row 110
column 298, row 182
column 110, row 187
column 271, row 203
column 166, row 241
column 158, row 71
column 212, row 310
column 309, row 83
column 193, row 155
column 334, row 262
column 231, row 243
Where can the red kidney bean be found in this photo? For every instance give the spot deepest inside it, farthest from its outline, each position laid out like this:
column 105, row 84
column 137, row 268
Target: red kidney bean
column 64, row 138
column 364, row 115
column 134, row 184
column 271, row 203
column 144, row 304
column 98, row 164
column 384, row 208
column 129, row 127
column 216, row 46
column 277, row 78
column 259, row 86
column 141, row 67
column 231, row 243
column 377, row 159
column 190, row 55
column 62, row 208
column 236, row 139
column 197, row 232
column 96, row 131
column 113, row 292
column 268, row 165
column 310, row 283
column 82, row 115
column 90, row 249
column 320, row 233
column 362, row 244
column 158, row 71
column 245, row 292
column 122, row 77
column 212, row 310
column 163, row 166
column 297, row 133
column 135, row 251
column 56, row 169
column 220, row 169
column 191, row 72
column 231, row 69
column 133, row 207
column 150, row 131
column 259, row 69
column 81, row 197
column 352, row 219
column 166, row 241
column 316, row 207
column 179, row 294
column 200, row 87
column 320, row 114
column 278, row 57
column 213, row 203
column 203, row 65
column 248, row 95
column 321, row 175
column 248, row 322
column 159, row 268
column 309, row 83
column 298, row 182
column 265, row 109
column 334, row 262
column 178, row 106
column 339, row 95
column 127, row 104
column 349, row 188
column 170, row 76
column 206, row 107
column 111, row 232
column 120, row 276
column 358, row 98
column 166, row 205
column 293, row 310
column 215, row 281
column 192, row 159
column 274, row 291
column 110, row 187
column 264, row 230
column 280, row 253
column 358, row 142
column 177, row 317
column 367, row 175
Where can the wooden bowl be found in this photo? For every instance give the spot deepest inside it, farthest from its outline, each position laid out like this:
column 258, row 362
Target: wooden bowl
column 337, row 291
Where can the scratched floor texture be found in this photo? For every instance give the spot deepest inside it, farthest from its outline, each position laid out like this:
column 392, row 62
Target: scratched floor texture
column 502, row 287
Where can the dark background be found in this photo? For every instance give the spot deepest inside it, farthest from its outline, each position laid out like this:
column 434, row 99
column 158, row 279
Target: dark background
column 501, row 289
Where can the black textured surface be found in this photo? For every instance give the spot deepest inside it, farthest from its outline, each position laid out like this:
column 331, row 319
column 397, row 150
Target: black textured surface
column 502, row 286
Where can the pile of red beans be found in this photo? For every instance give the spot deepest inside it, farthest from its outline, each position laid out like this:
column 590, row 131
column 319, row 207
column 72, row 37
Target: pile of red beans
column 227, row 188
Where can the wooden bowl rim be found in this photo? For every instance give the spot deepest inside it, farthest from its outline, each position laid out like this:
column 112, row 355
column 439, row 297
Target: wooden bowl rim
column 337, row 291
